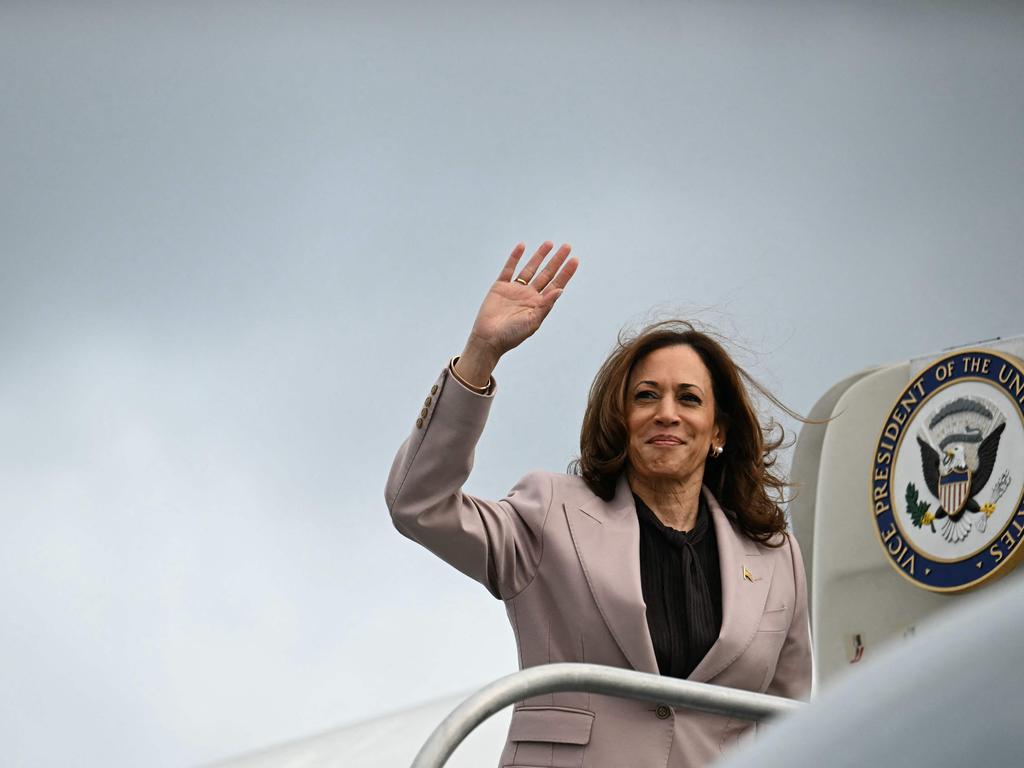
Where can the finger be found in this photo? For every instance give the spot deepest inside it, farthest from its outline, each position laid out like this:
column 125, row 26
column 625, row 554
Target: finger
column 549, row 297
column 510, row 266
column 535, row 260
column 551, row 268
column 564, row 275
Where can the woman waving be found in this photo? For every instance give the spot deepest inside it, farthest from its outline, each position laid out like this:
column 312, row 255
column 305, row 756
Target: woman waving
column 662, row 551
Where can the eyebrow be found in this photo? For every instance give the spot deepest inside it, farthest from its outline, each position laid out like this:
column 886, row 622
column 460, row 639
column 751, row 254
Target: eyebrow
column 678, row 386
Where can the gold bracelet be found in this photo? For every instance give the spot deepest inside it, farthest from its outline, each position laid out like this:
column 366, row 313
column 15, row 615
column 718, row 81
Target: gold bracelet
column 484, row 390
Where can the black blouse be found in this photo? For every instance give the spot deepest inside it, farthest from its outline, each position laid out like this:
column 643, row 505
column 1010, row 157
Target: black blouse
column 682, row 587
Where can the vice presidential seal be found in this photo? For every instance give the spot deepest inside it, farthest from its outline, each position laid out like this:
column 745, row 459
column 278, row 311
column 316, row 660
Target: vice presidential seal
column 947, row 481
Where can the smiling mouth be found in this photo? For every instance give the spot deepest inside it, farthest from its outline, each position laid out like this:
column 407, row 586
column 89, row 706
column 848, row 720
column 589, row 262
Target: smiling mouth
column 666, row 441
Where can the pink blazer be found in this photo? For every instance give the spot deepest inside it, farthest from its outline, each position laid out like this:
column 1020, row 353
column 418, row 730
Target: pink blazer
column 567, row 565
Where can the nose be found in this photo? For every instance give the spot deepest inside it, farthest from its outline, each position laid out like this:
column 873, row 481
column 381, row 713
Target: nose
column 666, row 414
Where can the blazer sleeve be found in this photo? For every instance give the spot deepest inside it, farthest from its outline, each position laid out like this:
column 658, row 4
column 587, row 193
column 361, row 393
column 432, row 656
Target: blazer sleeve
column 498, row 543
column 793, row 671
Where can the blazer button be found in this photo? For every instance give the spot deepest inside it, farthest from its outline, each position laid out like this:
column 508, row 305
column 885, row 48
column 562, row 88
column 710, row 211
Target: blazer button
column 428, row 401
column 662, row 712
column 433, row 390
column 423, row 413
column 419, row 423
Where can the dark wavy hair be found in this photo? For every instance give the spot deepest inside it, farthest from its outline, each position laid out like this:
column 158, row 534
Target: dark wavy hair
column 743, row 479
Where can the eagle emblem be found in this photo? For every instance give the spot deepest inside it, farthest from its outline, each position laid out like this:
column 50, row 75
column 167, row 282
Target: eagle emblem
column 958, row 452
column 947, row 490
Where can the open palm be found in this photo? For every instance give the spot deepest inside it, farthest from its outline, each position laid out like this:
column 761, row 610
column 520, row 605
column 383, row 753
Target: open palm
column 513, row 310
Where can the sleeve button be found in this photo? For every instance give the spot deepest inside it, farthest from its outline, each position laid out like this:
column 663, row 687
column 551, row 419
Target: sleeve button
column 419, row 423
column 428, row 401
column 433, row 390
column 423, row 413
column 662, row 712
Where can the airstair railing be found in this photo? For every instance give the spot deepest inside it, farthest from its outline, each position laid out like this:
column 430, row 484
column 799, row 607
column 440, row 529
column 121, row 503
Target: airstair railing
column 592, row 678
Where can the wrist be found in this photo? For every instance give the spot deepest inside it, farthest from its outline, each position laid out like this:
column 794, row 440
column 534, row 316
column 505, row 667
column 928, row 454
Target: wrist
column 469, row 376
column 478, row 360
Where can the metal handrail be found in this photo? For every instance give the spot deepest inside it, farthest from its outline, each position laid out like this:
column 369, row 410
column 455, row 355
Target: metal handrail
column 592, row 678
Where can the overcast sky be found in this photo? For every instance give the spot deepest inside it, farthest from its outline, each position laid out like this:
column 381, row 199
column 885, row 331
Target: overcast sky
column 239, row 242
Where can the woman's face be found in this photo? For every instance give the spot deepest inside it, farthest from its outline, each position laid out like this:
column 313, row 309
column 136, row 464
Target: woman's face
column 670, row 415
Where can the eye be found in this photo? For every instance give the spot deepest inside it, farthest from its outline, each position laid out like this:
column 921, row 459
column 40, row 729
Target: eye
column 690, row 397
column 646, row 394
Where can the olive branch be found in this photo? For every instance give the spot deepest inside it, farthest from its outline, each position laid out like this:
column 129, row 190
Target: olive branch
column 917, row 509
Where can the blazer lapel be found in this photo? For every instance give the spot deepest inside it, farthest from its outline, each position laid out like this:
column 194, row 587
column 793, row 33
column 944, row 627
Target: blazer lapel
column 746, row 577
column 607, row 540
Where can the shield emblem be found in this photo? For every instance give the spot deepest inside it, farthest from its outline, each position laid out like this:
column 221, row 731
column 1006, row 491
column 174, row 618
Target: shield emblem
column 953, row 490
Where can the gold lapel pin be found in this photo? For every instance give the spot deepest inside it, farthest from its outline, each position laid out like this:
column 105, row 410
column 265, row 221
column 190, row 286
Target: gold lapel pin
column 748, row 575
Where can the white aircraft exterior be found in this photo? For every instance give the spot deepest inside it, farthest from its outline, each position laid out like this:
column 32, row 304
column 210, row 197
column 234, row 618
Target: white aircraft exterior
column 391, row 741
column 855, row 593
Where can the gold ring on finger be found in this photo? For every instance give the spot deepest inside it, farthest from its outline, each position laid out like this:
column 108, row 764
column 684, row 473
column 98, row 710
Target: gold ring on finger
column 521, row 281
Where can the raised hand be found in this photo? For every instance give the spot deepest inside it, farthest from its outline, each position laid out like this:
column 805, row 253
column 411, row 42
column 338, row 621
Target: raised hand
column 514, row 309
